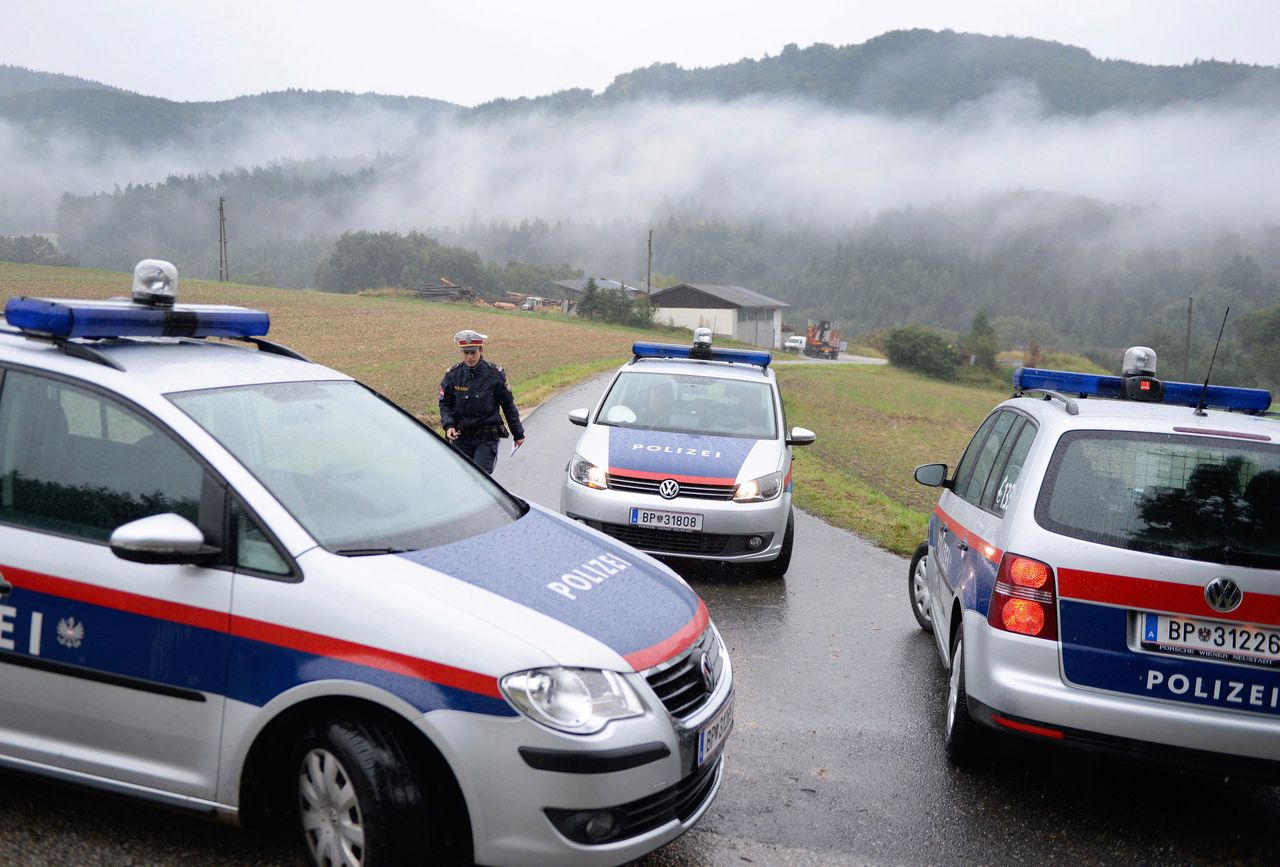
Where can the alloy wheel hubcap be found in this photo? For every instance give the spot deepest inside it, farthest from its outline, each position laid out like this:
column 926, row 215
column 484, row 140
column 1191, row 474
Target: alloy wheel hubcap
column 953, row 687
column 920, row 586
column 330, row 811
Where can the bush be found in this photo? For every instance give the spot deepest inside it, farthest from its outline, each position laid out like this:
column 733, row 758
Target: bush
column 980, row 344
column 32, row 250
column 1077, row 363
column 913, row 347
column 613, row 305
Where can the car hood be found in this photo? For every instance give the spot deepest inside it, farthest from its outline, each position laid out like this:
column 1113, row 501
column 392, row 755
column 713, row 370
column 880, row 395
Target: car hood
column 686, row 457
column 632, row 604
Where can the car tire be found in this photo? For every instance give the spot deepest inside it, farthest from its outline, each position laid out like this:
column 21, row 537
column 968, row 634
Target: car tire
column 777, row 567
column 918, row 587
column 358, row 801
column 966, row 742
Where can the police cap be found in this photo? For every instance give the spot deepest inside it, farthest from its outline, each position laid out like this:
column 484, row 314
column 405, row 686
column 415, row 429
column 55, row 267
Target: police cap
column 468, row 339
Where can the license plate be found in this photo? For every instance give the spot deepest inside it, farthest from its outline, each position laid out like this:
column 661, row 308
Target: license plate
column 713, row 735
column 686, row 521
column 1214, row 639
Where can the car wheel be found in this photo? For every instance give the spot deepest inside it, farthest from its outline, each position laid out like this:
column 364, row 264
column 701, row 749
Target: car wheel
column 918, row 587
column 777, row 567
column 359, row 804
column 966, row 741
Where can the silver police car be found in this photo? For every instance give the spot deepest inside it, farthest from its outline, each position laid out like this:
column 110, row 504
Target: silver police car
column 687, row 455
column 241, row 584
column 1103, row 571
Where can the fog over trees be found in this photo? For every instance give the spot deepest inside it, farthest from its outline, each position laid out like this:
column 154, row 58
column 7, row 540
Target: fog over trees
column 919, row 177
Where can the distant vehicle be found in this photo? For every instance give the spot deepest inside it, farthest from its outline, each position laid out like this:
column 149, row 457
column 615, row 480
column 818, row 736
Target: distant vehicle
column 1105, row 573
column 794, row 343
column 686, row 456
column 822, row 339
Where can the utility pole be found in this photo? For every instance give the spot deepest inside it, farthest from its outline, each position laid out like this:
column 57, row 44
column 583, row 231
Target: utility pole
column 224, row 266
column 1186, row 358
column 648, row 277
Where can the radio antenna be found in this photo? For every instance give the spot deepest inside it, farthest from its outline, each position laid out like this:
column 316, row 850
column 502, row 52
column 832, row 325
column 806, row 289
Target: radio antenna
column 1212, row 358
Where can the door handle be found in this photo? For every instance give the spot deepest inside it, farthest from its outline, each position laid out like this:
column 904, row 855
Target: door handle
column 962, row 545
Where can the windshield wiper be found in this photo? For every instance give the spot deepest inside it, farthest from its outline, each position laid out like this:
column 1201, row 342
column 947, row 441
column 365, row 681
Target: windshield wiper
column 368, row 552
column 1231, row 556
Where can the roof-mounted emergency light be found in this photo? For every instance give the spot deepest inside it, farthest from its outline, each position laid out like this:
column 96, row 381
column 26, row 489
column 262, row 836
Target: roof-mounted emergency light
column 701, row 352
column 1252, row 400
column 153, row 313
column 155, row 283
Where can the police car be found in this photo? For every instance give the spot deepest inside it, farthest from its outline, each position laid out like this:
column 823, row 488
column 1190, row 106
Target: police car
column 687, row 455
column 1103, row 570
column 238, row 583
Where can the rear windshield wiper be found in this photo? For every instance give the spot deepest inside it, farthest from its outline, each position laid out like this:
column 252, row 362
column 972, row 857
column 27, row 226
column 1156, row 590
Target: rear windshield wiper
column 1232, row 556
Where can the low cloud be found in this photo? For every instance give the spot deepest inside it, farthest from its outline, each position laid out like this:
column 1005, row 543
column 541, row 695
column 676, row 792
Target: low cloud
column 783, row 161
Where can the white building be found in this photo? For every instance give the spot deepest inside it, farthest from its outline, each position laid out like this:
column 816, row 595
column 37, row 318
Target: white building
column 730, row 310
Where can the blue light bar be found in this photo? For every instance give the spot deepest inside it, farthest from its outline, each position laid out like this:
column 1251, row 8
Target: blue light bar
column 69, row 318
column 1175, row 393
column 760, row 358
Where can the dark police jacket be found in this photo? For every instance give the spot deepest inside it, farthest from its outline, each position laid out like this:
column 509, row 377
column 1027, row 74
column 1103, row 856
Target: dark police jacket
column 470, row 399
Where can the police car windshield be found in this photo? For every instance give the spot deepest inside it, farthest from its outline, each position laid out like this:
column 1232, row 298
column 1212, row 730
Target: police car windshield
column 360, row 475
column 1198, row 498
column 686, row 403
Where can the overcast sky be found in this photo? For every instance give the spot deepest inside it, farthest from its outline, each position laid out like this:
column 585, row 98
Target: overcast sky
column 471, row 52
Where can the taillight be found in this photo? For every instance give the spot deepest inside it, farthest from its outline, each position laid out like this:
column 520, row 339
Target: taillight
column 1025, row 598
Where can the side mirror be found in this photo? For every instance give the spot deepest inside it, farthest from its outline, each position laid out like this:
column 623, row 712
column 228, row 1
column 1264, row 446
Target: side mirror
column 933, row 475
column 166, row 538
column 579, row 416
column 801, row 436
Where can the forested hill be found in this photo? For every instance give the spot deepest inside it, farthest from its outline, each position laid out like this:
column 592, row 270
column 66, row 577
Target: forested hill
column 923, row 72
column 919, row 176
column 41, row 105
column 916, row 72
column 14, row 79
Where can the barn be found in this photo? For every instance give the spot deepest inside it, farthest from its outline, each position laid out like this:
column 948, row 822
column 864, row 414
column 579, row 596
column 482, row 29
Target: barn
column 730, row 310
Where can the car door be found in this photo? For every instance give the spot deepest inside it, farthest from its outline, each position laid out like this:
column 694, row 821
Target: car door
column 964, row 527
column 107, row 668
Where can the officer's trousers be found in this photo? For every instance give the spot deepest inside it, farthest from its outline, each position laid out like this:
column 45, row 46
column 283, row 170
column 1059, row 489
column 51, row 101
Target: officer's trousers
column 483, row 453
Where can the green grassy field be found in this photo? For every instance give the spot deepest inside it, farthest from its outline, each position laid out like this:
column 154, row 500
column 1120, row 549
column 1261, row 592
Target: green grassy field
column 874, row 424
column 400, row 346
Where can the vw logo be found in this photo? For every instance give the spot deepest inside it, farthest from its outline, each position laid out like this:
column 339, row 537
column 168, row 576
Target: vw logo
column 708, row 672
column 670, row 489
column 1223, row 594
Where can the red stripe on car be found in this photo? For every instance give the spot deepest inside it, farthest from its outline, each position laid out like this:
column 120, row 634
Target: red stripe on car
column 1150, row 595
column 669, row 647
column 973, row 540
column 693, row 480
column 256, row 630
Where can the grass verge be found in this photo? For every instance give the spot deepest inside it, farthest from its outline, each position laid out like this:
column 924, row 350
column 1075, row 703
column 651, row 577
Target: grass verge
column 875, row 425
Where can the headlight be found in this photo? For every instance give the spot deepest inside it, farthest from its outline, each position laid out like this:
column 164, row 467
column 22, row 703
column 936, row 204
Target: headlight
column 586, row 473
column 759, row 490
column 580, row 701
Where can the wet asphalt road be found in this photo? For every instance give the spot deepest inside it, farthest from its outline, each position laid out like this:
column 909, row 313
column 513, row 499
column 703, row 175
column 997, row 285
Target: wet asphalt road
column 836, row 758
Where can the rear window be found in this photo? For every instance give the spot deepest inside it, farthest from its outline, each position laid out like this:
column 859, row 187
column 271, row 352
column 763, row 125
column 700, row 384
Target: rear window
column 1193, row 497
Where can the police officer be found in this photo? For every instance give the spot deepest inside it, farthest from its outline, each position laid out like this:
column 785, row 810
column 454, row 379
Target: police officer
column 471, row 394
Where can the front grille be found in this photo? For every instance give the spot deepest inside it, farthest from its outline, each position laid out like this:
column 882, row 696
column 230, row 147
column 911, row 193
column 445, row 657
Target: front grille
column 679, row 683
column 650, row 486
column 671, row 541
column 681, row 802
